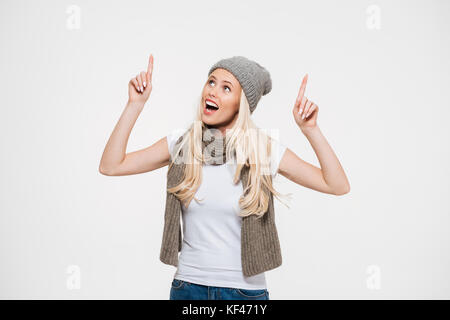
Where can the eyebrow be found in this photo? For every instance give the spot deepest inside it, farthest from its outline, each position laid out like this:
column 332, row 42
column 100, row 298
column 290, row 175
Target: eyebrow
column 223, row 80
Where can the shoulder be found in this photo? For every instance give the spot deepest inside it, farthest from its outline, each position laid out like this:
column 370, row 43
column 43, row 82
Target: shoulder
column 173, row 137
column 278, row 149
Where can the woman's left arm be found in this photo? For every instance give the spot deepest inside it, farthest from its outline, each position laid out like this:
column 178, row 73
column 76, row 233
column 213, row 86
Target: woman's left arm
column 330, row 178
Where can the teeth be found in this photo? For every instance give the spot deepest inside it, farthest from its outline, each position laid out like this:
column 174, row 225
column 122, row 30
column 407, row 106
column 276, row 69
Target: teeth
column 211, row 104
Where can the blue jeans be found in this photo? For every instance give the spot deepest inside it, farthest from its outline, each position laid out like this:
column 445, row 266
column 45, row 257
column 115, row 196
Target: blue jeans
column 184, row 290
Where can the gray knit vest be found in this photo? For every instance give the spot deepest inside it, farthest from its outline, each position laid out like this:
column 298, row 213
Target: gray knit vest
column 260, row 245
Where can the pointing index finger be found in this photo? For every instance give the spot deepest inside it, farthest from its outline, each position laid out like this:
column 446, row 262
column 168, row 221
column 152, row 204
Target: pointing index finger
column 302, row 88
column 150, row 68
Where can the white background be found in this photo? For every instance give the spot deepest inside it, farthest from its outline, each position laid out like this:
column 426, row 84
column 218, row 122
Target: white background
column 383, row 106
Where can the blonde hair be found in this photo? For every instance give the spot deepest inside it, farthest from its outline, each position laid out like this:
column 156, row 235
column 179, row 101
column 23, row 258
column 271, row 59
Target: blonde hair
column 247, row 145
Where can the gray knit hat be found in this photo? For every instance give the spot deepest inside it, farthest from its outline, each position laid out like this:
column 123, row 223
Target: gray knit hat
column 254, row 79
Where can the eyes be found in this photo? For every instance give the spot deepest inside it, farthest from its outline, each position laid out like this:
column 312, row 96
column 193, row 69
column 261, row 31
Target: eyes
column 209, row 82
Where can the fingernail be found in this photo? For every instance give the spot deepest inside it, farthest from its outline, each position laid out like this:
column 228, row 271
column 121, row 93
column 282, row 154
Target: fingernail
column 142, row 89
column 303, row 117
column 144, row 84
column 300, row 111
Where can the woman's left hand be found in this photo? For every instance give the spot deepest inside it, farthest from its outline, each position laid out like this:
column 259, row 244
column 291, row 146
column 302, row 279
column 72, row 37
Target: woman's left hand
column 305, row 111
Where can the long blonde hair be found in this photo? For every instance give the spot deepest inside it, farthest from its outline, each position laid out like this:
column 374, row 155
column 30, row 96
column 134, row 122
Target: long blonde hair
column 246, row 144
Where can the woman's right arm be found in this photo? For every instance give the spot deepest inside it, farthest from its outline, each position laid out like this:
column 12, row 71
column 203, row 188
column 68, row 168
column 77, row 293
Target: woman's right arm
column 115, row 161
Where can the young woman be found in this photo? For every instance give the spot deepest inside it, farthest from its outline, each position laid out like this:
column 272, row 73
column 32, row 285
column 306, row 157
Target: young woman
column 226, row 164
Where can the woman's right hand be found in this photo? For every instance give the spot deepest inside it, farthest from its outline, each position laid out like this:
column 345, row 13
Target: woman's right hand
column 140, row 87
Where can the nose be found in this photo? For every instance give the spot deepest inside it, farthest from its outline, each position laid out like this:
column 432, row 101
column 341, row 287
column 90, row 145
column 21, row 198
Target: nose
column 212, row 92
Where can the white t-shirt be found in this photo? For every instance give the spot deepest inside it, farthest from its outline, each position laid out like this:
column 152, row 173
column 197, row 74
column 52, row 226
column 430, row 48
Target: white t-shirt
column 211, row 248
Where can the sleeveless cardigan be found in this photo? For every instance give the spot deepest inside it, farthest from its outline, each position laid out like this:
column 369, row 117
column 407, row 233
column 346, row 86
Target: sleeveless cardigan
column 260, row 245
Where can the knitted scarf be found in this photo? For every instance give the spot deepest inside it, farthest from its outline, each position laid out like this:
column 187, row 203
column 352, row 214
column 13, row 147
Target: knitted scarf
column 260, row 246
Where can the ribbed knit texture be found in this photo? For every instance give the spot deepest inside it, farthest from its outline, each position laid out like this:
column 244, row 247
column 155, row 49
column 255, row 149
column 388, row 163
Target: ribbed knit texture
column 254, row 79
column 260, row 245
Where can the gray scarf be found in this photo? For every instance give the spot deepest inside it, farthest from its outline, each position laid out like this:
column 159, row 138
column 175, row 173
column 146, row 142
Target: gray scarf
column 260, row 246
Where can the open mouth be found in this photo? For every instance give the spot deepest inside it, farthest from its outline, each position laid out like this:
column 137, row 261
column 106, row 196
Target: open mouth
column 210, row 107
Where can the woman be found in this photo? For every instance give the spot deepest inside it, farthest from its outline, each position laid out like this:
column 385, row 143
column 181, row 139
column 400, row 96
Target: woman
column 226, row 164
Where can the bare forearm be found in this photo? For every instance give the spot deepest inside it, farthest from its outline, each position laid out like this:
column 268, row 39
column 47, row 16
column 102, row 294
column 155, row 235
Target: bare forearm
column 332, row 171
column 115, row 149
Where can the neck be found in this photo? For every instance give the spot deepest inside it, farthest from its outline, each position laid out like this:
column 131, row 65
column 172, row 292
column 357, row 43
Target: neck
column 213, row 147
column 222, row 128
column 220, row 131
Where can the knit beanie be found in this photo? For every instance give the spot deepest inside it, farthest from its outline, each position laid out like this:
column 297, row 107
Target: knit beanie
column 254, row 79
